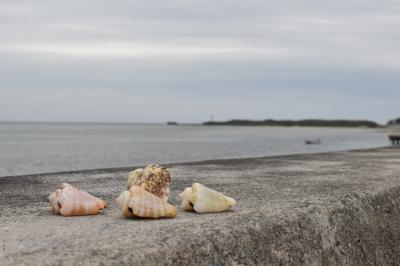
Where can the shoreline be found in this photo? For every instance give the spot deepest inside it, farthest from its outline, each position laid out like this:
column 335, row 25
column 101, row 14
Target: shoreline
column 311, row 209
column 211, row 161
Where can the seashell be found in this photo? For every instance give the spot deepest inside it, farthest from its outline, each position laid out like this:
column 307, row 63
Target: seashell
column 205, row 200
column 137, row 202
column 68, row 200
column 154, row 178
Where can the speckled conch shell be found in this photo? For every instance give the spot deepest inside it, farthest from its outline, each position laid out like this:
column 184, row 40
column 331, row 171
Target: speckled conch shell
column 204, row 200
column 154, row 178
column 137, row 202
column 68, row 200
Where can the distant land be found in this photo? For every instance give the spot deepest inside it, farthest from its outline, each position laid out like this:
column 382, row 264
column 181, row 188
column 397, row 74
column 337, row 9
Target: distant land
column 299, row 123
column 394, row 122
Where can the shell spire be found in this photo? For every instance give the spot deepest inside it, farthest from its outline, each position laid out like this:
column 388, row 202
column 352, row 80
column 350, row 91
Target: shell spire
column 68, row 200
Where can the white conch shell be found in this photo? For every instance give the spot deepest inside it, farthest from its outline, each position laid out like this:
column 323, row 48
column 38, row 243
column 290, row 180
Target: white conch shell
column 154, row 178
column 68, row 200
column 138, row 202
column 205, row 200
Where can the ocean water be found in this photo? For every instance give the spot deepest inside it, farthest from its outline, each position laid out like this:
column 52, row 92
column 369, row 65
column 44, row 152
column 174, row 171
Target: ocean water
column 29, row 148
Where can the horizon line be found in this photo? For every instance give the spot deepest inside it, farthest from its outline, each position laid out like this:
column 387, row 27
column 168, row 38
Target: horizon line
column 181, row 123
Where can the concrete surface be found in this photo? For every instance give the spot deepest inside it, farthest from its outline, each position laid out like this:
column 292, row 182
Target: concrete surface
column 316, row 209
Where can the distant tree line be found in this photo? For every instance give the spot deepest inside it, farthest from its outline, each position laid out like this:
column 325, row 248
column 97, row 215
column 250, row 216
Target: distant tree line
column 394, row 122
column 300, row 123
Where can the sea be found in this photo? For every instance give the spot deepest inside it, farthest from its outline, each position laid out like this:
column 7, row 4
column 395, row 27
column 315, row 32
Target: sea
column 33, row 148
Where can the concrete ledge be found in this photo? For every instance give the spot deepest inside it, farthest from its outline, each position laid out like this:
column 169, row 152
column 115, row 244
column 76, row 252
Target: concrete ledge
column 315, row 209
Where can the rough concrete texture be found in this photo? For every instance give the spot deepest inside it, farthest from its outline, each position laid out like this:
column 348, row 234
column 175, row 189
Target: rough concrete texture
column 337, row 208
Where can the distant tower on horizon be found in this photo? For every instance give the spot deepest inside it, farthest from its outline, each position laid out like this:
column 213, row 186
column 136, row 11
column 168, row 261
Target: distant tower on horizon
column 212, row 118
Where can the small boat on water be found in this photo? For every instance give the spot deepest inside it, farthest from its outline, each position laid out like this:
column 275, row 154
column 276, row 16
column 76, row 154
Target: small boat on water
column 312, row 142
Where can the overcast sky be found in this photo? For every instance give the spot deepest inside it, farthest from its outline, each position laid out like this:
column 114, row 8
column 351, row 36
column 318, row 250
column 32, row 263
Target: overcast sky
column 153, row 61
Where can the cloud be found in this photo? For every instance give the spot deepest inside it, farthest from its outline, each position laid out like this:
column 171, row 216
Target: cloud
column 287, row 59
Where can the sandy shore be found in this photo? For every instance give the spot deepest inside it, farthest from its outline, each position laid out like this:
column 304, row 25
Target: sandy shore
column 331, row 208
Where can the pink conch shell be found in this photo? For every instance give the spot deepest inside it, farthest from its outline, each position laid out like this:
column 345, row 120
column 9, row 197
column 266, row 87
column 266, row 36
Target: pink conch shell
column 138, row 202
column 68, row 200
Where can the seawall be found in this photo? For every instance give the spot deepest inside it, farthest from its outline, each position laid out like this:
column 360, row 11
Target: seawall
column 315, row 209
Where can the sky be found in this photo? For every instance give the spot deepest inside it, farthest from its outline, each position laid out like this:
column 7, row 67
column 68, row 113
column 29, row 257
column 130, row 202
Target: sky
column 189, row 60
